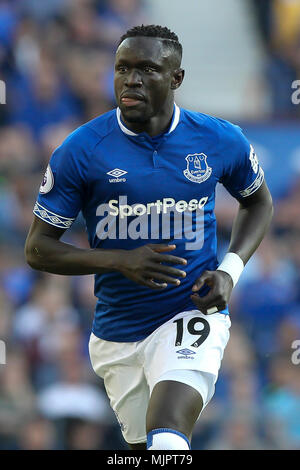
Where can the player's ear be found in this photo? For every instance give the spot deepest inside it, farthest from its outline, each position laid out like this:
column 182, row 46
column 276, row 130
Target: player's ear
column 177, row 79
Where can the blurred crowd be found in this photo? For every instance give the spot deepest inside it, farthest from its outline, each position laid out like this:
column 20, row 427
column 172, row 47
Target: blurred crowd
column 279, row 22
column 56, row 58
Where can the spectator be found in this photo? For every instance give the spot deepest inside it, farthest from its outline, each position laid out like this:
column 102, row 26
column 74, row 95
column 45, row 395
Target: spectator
column 36, row 433
column 282, row 404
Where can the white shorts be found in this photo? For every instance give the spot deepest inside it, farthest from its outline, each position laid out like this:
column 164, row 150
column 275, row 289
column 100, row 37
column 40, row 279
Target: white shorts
column 188, row 348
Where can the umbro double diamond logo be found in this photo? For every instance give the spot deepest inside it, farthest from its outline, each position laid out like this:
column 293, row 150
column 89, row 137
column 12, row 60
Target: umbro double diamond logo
column 185, row 353
column 117, row 173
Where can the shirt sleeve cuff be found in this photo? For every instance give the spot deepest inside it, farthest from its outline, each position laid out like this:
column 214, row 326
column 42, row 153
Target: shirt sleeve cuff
column 51, row 217
column 253, row 186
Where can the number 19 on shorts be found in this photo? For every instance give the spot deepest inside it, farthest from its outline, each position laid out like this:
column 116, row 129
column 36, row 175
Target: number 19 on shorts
column 193, row 329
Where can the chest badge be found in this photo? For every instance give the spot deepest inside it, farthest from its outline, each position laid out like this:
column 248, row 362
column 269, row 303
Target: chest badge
column 197, row 169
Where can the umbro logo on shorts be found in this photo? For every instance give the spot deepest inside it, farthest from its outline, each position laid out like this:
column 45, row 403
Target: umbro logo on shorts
column 185, row 353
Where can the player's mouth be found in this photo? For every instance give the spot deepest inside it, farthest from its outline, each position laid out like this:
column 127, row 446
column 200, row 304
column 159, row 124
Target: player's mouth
column 131, row 99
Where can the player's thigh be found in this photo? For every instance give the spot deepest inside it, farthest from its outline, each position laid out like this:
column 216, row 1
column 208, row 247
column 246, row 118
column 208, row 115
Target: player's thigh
column 125, row 385
column 187, row 349
column 189, row 341
column 173, row 405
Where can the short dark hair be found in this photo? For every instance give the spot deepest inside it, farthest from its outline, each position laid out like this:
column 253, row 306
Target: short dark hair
column 155, row 31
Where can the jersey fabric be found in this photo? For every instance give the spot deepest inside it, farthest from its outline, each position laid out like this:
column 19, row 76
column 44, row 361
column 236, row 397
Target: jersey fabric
column 132, row 190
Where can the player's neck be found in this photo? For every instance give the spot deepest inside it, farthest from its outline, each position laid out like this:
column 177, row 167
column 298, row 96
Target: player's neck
column 156, row 125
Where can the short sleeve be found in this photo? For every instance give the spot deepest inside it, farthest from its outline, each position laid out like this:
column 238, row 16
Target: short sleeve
column 243, row 174
column 61, row 193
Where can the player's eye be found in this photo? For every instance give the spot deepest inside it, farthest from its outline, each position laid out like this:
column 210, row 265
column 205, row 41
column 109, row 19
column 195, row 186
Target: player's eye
column 148, row 69
column 122, row 68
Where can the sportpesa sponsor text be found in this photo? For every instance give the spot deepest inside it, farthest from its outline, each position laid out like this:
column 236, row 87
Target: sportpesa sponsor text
column 165, row 218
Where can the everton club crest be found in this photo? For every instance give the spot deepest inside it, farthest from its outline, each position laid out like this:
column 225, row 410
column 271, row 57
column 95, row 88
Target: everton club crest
column 197, row 169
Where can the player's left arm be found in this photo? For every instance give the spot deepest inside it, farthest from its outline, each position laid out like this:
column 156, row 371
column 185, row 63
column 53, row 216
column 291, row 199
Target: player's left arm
column 243, row 178
column 249, row 228
column 251, row 223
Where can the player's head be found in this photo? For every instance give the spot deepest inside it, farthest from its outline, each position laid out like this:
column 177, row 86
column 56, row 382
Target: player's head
column 147, row 71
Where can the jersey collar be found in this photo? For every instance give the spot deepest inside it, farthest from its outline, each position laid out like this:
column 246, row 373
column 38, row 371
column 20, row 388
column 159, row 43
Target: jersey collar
column 174, row 123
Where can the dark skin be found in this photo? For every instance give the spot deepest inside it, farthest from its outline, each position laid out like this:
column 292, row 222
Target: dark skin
column 146, row 75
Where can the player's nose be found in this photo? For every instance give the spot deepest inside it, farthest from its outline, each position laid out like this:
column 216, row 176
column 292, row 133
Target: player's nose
column 133, row 79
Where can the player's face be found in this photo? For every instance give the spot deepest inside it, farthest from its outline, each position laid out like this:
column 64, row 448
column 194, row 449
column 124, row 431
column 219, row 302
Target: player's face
column 144, row 77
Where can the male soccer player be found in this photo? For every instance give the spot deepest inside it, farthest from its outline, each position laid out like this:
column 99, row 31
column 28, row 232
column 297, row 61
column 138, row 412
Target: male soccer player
column 144, row 176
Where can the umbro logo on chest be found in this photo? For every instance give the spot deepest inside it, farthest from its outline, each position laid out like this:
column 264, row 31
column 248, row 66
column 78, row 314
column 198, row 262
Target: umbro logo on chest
column 117, row 173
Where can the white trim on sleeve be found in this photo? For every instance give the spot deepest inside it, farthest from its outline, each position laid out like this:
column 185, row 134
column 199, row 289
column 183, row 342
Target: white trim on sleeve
column 255, row 185
column 52, row 218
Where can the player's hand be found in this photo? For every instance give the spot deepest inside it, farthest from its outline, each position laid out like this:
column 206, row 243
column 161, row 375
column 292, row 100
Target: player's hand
column 144, row 265
column 221, row 286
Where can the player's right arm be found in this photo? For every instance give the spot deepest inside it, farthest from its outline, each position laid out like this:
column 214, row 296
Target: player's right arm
column 45, row 252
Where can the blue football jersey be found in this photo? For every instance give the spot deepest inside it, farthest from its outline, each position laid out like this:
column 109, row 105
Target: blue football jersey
column 132, row 190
